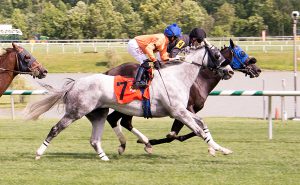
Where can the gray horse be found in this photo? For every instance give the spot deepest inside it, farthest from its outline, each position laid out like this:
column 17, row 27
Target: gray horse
column 92, row 97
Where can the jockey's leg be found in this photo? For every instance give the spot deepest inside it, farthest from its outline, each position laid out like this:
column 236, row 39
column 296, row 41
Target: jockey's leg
column 140, row 81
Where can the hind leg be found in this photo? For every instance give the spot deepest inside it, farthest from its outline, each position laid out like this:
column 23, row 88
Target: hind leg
column 126, row 122
column 56, row 129
column 97, row 117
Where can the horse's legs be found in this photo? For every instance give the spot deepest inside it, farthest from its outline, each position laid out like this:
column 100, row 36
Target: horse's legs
column 213, row 146
column 65, row 121
column 177, row 125
column 97, row 117
column 126, row 122
column 113, row 119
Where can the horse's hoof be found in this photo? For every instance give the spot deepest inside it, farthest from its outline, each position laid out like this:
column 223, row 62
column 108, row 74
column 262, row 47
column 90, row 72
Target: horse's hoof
column 172, row 134
column 148, row 148
column 212, row 151
column 226, row 151
column 37, row 157
column 103, row 157
column 121, row 149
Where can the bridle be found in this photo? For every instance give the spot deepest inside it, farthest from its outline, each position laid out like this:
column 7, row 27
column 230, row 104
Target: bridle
column 33, row 71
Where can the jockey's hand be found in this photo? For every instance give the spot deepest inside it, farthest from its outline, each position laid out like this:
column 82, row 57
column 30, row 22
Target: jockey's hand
column 157, row 64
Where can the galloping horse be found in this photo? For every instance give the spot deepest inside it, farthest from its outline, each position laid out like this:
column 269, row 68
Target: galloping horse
column 204, row 84
column 92, row 97
column 16, row 61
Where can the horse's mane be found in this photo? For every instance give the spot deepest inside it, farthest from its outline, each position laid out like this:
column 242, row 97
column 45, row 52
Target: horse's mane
column 5, row 51
column 168, row 63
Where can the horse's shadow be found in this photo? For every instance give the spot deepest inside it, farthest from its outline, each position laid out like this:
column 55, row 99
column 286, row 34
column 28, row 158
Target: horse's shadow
column 89, row 156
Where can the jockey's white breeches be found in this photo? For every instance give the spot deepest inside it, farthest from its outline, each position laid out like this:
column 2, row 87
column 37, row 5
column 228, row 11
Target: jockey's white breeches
column 137, row 53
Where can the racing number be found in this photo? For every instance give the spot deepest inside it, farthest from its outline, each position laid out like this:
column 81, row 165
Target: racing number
column 180, row 44
column 123, row 89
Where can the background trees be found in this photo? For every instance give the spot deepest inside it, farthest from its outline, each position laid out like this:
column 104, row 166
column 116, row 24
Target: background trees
column 74, row 19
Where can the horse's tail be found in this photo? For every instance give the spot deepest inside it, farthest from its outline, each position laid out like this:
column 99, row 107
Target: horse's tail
column 34, row 110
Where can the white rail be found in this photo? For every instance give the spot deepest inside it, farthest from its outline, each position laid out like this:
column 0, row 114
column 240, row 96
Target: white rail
column 213, row 93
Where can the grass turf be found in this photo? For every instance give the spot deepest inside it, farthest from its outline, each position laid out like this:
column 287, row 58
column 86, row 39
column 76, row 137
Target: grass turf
column 71, row 160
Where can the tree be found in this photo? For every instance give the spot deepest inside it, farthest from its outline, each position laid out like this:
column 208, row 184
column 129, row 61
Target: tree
column 193, row 15
column 132, row 24
column 224, row 19
column 155, row 15
column 18, row 20
column 75, row 22
column 104, row 22
column 6, row 8
column 249, row 27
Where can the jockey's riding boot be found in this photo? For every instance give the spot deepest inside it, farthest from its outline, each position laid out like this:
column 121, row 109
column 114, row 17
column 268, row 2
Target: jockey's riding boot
column 139, row 82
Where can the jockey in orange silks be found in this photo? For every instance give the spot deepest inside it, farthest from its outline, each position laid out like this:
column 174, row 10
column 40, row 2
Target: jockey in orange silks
column 143, row 47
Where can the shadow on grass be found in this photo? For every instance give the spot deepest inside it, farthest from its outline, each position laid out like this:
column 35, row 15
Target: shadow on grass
column 101, row 64
column 89, row 156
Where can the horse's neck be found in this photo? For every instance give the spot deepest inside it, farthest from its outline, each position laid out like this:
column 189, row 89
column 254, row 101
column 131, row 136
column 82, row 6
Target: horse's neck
column 188, row 71
column 6, row 77
column 185, row 73
column 208, row 81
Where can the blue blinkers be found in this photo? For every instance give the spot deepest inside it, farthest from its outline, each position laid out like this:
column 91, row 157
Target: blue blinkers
column 25, row 59
column 239, row 58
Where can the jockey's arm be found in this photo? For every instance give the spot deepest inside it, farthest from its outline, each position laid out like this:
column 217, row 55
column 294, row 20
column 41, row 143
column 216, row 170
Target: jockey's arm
column 149, row 52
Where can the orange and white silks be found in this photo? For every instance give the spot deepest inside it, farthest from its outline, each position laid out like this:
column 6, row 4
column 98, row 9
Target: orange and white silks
column 124, row 92
column 153, row 43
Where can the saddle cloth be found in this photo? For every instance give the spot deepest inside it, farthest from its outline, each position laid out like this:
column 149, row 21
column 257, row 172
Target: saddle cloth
column 125, row 93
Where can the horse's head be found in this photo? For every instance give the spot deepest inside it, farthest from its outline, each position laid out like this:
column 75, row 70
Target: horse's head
column 240, row 60
column 27, row 63
column 217, row 62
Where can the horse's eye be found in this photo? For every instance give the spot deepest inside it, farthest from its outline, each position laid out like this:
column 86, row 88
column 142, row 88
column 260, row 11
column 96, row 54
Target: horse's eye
column 217, row 55
column 242, row 53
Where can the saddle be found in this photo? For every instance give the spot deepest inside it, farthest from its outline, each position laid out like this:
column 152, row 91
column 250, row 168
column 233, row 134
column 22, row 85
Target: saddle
column 126, row 93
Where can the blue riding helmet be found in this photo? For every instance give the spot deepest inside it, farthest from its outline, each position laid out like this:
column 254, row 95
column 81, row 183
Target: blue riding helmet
column 239, row 57
column 173, row 30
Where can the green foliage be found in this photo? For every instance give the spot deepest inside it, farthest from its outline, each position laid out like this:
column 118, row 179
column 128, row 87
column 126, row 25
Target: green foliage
column 107, row 19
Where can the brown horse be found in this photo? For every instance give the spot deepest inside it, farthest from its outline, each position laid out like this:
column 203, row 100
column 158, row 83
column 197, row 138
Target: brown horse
column 16, row 61
column 204, row 84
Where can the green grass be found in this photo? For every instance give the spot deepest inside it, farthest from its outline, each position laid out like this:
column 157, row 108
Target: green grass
column 70, row 159
column 97, row 62
column 75, row 59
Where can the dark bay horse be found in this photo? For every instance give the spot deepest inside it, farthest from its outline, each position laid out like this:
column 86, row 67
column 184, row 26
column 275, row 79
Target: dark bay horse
column 204, row 84
column 16, row 61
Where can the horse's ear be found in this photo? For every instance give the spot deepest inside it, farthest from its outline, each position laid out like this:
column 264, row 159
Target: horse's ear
column 231, row 43
column 15, row 46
